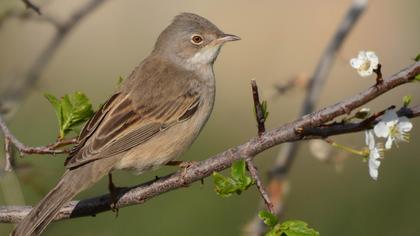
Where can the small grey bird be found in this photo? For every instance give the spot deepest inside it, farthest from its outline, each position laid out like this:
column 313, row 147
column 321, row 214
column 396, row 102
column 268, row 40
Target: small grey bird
column 155, row 115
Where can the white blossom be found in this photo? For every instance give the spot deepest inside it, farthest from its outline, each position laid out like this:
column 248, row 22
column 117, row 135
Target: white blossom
column 375, row 154
column 365, row 63
column 393, row 128
column 370, row 139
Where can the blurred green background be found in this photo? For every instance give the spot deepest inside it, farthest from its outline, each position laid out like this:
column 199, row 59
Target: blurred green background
column 281, row 39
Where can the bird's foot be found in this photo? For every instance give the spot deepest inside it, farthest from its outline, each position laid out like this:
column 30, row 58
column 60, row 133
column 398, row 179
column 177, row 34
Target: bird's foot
column 113, row 192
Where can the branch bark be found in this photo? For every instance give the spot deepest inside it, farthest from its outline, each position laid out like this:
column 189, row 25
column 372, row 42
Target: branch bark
column 197, row 171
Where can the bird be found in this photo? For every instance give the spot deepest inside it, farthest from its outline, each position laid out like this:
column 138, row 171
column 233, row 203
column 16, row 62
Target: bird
column 152, row 118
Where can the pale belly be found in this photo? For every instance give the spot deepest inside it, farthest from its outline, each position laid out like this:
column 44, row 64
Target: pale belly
column 165, row 146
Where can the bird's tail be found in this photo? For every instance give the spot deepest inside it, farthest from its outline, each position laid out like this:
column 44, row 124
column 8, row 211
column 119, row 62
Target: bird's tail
column 73, row 182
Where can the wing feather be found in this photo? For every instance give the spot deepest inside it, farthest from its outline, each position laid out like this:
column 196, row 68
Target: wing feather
column 137, row 113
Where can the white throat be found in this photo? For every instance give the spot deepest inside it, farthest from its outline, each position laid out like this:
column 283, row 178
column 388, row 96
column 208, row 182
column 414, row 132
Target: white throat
column 205, row 56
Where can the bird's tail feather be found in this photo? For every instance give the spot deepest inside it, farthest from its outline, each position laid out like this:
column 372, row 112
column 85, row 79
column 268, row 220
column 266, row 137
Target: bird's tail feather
column 72, row 183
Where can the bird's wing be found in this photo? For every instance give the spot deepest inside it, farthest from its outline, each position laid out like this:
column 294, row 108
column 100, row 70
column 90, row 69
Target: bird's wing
column 144, row 108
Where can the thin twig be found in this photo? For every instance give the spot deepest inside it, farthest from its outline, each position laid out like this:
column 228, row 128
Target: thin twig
column 29, row 16
column 259, row 113
column 32, row 6
column 62, row 143
column 254, row 174
column 314, row 87
column 23, row 149
column 197, row 171
column 378, row 73
column 12, row 97
column 260, row 118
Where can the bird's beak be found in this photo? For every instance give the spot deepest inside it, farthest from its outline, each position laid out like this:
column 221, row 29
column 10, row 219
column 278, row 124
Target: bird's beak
column 227, row 38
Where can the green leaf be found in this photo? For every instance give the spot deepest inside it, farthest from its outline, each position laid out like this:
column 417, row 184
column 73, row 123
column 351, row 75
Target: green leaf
column 71, row 111
column 269, row 219
column 287, row 228
column 406, row 100
column 237, row 183
column 296, row 228
column 264, row 109
column 224, row 186
column 56, row 104
column 417, row 58
column 240, row 176
column 417, row 77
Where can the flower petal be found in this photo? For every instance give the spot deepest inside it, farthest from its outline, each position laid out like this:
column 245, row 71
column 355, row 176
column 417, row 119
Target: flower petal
column 364, row 73
column 374, row 163
column 370, row 139
column 404, row 124
column 374, row 60
column 362, row 56
column 356, row 63
column 389, row 141
column 390, row 116
column 381, row 130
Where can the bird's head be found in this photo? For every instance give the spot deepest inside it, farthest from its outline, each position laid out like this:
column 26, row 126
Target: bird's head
column 191, row 40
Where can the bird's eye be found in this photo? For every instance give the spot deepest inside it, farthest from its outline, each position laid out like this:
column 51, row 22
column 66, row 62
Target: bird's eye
column 196, row 39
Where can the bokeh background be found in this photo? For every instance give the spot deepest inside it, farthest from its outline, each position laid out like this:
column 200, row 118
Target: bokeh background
column 281, row 39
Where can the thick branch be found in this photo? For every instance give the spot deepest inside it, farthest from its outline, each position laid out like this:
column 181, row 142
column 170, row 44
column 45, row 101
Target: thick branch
column 285, row 133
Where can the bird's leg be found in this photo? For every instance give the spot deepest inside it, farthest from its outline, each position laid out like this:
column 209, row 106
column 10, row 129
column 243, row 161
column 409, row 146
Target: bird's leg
column 113, row 193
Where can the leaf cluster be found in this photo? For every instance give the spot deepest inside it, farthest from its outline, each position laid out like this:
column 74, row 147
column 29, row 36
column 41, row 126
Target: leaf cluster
column 71, row 111
column 287, row 228
column 238, row 182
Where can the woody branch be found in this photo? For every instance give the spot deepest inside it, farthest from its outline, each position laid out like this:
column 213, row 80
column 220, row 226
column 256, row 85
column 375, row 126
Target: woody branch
column 285, row 133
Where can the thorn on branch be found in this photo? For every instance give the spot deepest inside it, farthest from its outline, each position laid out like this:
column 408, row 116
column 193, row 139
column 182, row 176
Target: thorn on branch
column 260, row 113
column 378, row 72
column 254, row 174
column 31, row 5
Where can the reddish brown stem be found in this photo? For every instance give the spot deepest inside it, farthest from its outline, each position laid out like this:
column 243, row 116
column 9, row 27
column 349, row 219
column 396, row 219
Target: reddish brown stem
column 259, row 113
column 254, row 174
